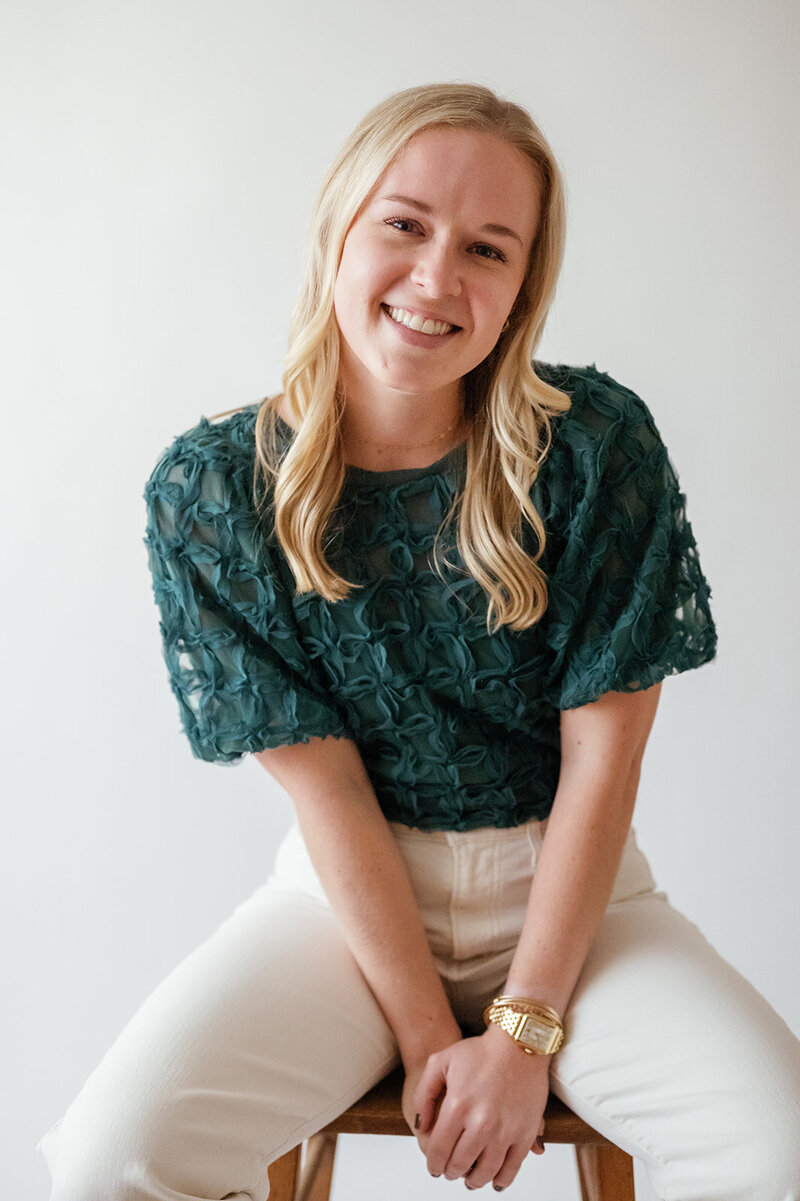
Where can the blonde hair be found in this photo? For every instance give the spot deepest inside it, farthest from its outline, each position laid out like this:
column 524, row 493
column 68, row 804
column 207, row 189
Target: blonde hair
column 507, row 405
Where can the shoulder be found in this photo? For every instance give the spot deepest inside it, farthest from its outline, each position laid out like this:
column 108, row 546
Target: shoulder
column 222, row 444
column 204, row 478
column 606, row 462
column 607, row 431
column 602, row 408
column 214, row 460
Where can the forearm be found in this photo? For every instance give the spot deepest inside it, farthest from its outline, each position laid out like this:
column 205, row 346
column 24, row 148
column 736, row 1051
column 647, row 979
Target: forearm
column 366, row 881
column 602, row 749
column 572, row 884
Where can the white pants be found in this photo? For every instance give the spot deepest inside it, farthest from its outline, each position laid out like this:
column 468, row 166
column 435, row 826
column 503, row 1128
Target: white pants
column 268, row 1030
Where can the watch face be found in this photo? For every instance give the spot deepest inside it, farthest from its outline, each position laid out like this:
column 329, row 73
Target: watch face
column 535, row 1034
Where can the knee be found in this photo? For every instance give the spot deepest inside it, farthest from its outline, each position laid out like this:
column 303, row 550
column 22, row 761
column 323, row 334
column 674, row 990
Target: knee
column 743, row 1146
column 771, row 1175
column 144, row 1153
column 772, row 1167
column 764, row 1162
column 86, row 1168
column 752, row 1167
column 775, row 1150
column 91, row 1159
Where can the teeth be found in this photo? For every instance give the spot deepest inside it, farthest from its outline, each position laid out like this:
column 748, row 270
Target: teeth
column 403, row 317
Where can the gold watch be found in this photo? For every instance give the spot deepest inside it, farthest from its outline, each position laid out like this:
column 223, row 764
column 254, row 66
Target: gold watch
column 535, row 1027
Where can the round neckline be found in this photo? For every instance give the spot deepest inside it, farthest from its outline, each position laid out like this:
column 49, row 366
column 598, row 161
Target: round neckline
column 364, row 477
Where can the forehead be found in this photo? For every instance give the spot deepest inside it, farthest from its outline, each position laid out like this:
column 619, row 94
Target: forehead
column 476, row 176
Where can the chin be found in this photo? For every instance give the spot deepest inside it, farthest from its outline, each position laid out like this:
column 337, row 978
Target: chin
column 416, row 384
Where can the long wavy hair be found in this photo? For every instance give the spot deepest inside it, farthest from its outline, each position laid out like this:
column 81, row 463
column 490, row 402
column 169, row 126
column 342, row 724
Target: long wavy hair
column 507, row 405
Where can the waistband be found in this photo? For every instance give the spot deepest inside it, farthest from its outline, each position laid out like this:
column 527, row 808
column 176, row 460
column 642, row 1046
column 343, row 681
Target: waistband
column 483, row 836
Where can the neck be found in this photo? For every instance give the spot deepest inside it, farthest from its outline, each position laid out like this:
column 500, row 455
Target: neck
column 385, row 433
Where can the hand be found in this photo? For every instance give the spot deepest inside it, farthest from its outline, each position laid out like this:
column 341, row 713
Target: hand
column 481, row 1105
column 410, row 1112
column 414, row 1068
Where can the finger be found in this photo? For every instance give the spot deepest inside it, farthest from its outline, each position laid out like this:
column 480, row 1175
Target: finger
column 485, row 1168
column 423, row 1136
column 441, row 1144
column 464, row 1156
column 511, row 1165
column 427, row 1096
column 538, row 1144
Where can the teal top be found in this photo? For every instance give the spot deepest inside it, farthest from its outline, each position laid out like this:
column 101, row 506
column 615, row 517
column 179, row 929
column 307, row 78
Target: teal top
column 457, row 728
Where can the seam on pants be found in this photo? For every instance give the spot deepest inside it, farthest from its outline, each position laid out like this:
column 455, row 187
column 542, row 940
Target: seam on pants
column 571, row 1097
column 455, row 892
column 497, row 884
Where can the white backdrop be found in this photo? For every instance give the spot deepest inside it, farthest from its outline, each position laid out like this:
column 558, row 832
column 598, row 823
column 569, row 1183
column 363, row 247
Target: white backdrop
column 163, row 159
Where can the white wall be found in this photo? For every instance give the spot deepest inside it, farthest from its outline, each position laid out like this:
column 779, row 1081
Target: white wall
column 163, row 157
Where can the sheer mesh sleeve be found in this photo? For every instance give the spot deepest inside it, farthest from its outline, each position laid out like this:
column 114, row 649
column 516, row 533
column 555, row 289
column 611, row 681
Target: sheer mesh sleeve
column 628, row 599
column 236, row 665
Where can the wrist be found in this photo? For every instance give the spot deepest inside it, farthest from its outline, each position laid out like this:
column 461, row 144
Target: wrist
column 535, row 1027
column 502, row 1045
column 554, row 997
column 418, row 1045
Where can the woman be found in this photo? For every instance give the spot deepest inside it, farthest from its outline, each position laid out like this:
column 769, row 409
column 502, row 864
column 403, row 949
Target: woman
column 434, row 587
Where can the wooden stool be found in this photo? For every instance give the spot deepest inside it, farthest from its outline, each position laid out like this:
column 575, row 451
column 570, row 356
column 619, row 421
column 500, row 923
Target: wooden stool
column 305, row 1173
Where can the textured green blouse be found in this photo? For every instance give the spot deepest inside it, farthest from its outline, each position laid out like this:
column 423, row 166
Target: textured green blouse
column 457, row 728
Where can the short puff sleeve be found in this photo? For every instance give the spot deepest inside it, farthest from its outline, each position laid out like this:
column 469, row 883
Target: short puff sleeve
column 236, row 663
column 628, row 601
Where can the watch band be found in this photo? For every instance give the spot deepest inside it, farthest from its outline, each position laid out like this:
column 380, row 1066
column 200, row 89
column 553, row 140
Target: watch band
column 535, row 1027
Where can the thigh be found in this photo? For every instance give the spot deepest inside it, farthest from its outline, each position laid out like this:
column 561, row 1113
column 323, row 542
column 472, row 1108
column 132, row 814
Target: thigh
column 257, row 1039
column 674, row 1056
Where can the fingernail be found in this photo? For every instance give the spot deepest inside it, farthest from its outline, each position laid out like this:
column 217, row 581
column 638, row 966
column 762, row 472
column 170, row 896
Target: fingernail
column 498, row 1188
column 540, row 1142
column 416, row 1121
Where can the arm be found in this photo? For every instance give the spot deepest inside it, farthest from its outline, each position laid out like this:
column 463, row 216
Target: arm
column 602, row 746
column 491, row 1095
column 365, row 879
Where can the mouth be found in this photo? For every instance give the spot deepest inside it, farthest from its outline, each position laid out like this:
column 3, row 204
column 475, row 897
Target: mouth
column 421, row 325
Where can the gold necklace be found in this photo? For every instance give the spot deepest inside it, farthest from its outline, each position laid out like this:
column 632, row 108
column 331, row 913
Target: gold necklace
column 415, row 446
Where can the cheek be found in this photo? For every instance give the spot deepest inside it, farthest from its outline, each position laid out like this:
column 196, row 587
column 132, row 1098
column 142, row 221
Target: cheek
column 491, row 309
column 354, row 281
column 371, row 266
column 353, row 299
column 499, row 304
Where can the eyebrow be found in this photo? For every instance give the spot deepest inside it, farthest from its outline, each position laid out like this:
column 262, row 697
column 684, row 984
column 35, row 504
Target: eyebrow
column 490, row 227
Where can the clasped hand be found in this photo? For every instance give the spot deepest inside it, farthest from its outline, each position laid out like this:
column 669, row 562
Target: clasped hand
column 481, row 1104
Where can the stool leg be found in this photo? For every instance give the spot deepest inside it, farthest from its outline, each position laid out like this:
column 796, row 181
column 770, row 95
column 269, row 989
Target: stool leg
column 317, row 1175
column 283, row 1176
column 605, row 1172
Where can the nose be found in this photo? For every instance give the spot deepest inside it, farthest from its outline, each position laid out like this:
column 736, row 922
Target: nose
column 436, row 268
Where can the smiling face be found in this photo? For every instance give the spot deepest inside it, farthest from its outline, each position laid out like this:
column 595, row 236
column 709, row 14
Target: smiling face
column 442, row 243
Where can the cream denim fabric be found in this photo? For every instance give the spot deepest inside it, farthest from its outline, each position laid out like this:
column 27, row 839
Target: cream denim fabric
column 268, row 1030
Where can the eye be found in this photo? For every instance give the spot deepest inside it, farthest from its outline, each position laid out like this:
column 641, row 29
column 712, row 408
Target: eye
column 483, row 249
column 493, row 252
column 396, row 222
